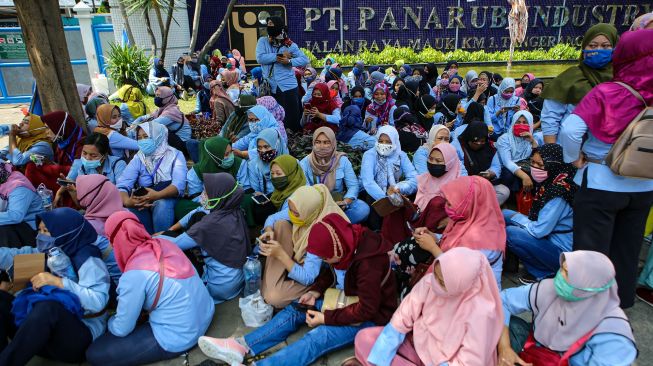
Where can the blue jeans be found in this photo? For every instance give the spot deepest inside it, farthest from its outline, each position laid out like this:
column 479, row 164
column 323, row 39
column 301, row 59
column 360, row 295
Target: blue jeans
column 138, row 348
column 159, row 217
column 541, row 257
column 319, row 341
column 358, row 211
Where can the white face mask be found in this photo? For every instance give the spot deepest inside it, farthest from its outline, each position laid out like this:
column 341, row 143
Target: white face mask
column 117, row 126
column 384, row 149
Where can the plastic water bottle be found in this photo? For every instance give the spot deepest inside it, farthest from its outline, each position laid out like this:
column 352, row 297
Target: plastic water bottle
column 252, row 269
column 46, row 196
column 60, row 264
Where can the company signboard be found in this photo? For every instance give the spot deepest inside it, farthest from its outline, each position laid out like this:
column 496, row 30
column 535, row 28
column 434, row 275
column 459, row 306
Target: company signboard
column 350, row 26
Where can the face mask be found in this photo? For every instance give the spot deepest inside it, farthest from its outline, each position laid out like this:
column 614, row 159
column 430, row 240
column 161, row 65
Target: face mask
column 454, row 87
column 517, row 130
column 296, row 220
column 117, row 126
column 146, row 146
column 436, row 170
column 268, row 156
column 597, row 59
column 402, row 74
column 44, row 242
column 309, row 79
column 333, row 93
column 566, row 291
column 539, row 175
column 381, row 102
column 506, row 96
column 444, row 82
column 274, row 31
column 228, row 66
column 255, row 127
column 461, row 110
column 358, row 101
column 279, row 183
column 228, row 161
column 158, row 101
column 429, row 114
column 212, row 203
column 356, row 71
column 473, row 84
column 383, row 149
column 91, row 164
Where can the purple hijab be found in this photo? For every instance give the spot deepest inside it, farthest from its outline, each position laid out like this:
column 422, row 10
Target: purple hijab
column 609, row 107
column 170, row 108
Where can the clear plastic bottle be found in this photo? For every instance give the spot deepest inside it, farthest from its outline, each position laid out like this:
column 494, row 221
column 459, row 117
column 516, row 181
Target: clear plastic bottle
column 46, row 196
column 60, row 264
column 252, row 269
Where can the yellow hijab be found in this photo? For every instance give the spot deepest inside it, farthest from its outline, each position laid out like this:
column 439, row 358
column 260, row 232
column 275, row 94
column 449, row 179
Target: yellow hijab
column 37, row 131
column 312, row 203
column 133, row 97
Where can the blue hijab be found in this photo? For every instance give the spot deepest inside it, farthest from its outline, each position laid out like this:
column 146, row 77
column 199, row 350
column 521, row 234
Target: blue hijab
column 75, row 236
column 273, row 138
column 350, row 123
column 160, row 71
column 266, row 120
column 257, row 73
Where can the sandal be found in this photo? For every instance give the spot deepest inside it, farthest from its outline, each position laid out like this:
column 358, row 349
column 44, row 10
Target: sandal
column 351, row 361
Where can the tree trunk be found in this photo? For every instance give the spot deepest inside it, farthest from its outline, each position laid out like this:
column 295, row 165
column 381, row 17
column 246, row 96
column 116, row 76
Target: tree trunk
column 196, row 25
column 159, row 18
column 218, row 32
column 47, row 50
column 148, row 25
column 164, row 43
column 123, row 12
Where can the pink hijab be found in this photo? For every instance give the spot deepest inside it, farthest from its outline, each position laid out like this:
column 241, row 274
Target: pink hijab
column 461, row 324
column 15, row 179
column 170, row 108
column 337, row 98
column 429, row 186
column 560, row 323
column 135, row 249
column 240, row 59
column 100, row 197
column 609, row 107
column 478, row 221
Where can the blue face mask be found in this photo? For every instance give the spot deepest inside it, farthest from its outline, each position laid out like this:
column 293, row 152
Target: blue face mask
column 147, row 146
column 44, row 242
column 597, row 59
column 358, row 101
column 310, row 79
column 255, row 127
column 228, row 161
column 91, row 164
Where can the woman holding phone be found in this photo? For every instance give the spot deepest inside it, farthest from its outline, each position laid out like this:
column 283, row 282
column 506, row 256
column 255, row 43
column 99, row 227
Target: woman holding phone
column 503, row 106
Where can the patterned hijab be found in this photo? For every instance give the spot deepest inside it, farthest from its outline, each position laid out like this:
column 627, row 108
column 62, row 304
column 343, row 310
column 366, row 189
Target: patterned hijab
column 560, row 180
column 381, row 111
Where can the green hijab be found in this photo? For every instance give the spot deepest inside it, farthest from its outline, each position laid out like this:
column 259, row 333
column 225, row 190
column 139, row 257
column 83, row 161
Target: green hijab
column 575, row 82
column 296, row 178
column 214, row 146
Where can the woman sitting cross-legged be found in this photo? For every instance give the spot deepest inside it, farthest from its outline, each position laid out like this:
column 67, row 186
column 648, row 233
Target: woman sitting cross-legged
column 576, row 317
column 514, row 147
column 158, row 278
column 322, row 110
column 360, row 267
column 452, row 317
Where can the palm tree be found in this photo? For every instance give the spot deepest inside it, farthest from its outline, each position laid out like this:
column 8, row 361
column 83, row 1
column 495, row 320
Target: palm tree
column 159, row 6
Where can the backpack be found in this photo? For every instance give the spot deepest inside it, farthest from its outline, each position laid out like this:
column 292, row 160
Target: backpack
column 632, row 153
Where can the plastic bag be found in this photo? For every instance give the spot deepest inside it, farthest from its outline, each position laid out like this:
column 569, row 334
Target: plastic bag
column 254, row 311
column 524, row 202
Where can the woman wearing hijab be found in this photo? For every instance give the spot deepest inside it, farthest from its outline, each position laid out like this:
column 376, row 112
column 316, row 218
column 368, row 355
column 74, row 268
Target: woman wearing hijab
column 26, row 139
column 463, row 329
column 94, row 102
column 567, row 89
column 540, row 237
column 360, row 267
column 168, row 114
column 386, row 171
column 57, row 316
column 159, row 279
column 154, row 178
column 610, row 209
column 235, row 127
column 68, row 136
column 351, row 130
column 411, row 133
column 502, row 107
column 325, row 165
column 258, row 119
column 376, row 77
column 356, row 97
column 84, row 91
column 321, row 110
column 326, row 66
column 455, row 87
column 216, row 156
column 406, row 93
column 485, row 78
column 111, row 124
column 222, row 235
column 334, row 91
column 425, row 111
column 381, row 111
column 576, row 317
column 447, row 112
column 240, row 60
column 159, row 76
column 358, row 76
column 20, row 204
column 286, row 176
column 514, row 148
column 131, row 102
column 276, row 110
column 532, row 96
column 438, row 134
column 525, row 80
column 471, row 83
column 289, row 269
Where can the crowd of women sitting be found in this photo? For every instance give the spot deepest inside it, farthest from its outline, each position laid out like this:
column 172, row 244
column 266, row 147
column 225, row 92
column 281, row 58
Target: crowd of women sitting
column 158, row 226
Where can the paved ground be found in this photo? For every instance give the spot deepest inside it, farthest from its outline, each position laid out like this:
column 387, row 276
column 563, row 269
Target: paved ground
column 227, row 321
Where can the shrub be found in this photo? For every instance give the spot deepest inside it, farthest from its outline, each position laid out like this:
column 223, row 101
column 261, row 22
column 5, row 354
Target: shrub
column 128, row 63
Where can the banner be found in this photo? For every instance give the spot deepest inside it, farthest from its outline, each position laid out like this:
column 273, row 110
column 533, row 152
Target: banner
column 352, row 26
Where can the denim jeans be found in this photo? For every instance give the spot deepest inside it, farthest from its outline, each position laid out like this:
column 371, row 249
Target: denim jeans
column 541, row 257
column 358, row 211
column 159, row 217
column 317, row 342
column 138, row 348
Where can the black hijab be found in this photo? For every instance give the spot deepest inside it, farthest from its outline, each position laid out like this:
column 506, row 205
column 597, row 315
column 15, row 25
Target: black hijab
column 476, row 161
column 560, row 180
column 535, row 102
column 528, row 92
column 407, row 94
column 449, row 64
column 448, row 107
column 475, row 112
column 423, row 104
column 430, row 76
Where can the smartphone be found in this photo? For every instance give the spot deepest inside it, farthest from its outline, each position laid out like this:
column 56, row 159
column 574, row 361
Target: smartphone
column 303, row 307
column 410, row 227
column 280, row 55
column 261, row 199
column 307, row 106
column 259, row 241
column 65, row 182
column 139, row 192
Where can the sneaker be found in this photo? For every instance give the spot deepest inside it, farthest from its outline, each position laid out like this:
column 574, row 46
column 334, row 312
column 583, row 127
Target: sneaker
column 527, row 279
column 223, row 349
column 645, row 294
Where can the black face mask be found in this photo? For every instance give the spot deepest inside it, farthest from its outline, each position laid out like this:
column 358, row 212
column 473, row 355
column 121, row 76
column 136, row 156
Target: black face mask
column 437, row 170
column 274, row 30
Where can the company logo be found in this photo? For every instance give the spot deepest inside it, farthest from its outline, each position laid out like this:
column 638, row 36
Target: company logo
column 248, row 23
